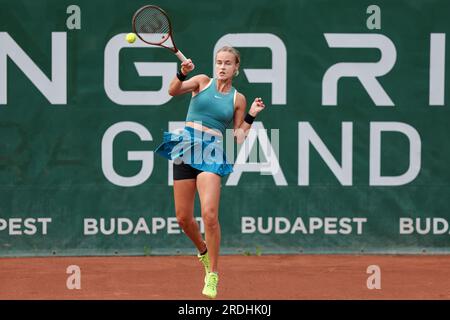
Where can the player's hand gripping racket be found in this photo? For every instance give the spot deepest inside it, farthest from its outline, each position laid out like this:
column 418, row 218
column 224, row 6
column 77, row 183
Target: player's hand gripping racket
column 152, row 25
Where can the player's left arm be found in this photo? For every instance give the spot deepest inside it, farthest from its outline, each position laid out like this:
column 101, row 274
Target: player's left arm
column 241, row 127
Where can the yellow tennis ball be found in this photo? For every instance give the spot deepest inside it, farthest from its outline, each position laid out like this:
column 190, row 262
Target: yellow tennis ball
column 131, row 37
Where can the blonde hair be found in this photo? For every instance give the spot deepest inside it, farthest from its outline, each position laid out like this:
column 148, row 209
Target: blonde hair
column 236, row 54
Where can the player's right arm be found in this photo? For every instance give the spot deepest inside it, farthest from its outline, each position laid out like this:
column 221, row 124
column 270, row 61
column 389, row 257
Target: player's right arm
column 178, row 87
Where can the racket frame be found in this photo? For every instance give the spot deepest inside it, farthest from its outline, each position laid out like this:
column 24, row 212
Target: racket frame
column 175, row 50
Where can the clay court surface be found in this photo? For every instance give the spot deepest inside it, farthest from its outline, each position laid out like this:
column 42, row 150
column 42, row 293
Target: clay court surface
column 277, row 277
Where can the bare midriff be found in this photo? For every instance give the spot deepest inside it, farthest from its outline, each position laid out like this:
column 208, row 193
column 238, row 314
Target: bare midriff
column 200, row 127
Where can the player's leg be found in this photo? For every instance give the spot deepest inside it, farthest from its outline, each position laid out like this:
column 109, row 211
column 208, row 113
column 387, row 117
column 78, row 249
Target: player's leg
column 184, row 187
column 208, row 186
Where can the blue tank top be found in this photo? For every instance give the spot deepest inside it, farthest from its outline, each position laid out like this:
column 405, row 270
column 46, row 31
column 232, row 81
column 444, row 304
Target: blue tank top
column 214, row 109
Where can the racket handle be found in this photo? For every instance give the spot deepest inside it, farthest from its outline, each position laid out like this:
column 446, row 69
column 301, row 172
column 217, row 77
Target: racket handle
column 180, row 56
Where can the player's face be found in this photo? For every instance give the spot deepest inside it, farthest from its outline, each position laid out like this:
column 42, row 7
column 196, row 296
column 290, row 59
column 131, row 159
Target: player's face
column 226, row 65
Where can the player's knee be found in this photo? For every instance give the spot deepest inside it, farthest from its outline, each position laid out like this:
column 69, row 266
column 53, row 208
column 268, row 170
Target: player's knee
column 183, row 218
column 210, row 217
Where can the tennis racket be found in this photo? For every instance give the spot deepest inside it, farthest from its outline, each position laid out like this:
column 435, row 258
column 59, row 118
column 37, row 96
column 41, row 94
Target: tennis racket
column 152, row 25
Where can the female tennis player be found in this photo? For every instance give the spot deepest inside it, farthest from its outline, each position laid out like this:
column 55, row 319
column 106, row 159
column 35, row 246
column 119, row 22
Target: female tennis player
column 199, row 159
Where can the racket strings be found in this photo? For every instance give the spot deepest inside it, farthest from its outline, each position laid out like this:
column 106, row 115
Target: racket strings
column 152, row 26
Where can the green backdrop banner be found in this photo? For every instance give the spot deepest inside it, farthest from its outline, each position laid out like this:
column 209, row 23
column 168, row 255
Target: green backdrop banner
column 351, row 154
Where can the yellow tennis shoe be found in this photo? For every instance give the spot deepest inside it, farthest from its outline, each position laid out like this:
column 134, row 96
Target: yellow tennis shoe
column 210, row 288
column 204, row 259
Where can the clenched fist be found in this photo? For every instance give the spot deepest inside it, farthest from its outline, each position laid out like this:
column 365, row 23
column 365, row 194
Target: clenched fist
column 187, row 66
column 256, row 107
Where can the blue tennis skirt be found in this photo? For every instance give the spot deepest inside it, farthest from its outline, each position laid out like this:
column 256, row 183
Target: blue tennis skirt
column 200, row 150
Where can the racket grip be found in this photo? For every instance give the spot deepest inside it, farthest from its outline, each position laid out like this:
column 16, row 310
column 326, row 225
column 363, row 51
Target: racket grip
column 180, row 56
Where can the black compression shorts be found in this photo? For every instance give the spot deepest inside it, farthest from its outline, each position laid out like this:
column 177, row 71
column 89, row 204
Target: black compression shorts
column 184, row 171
